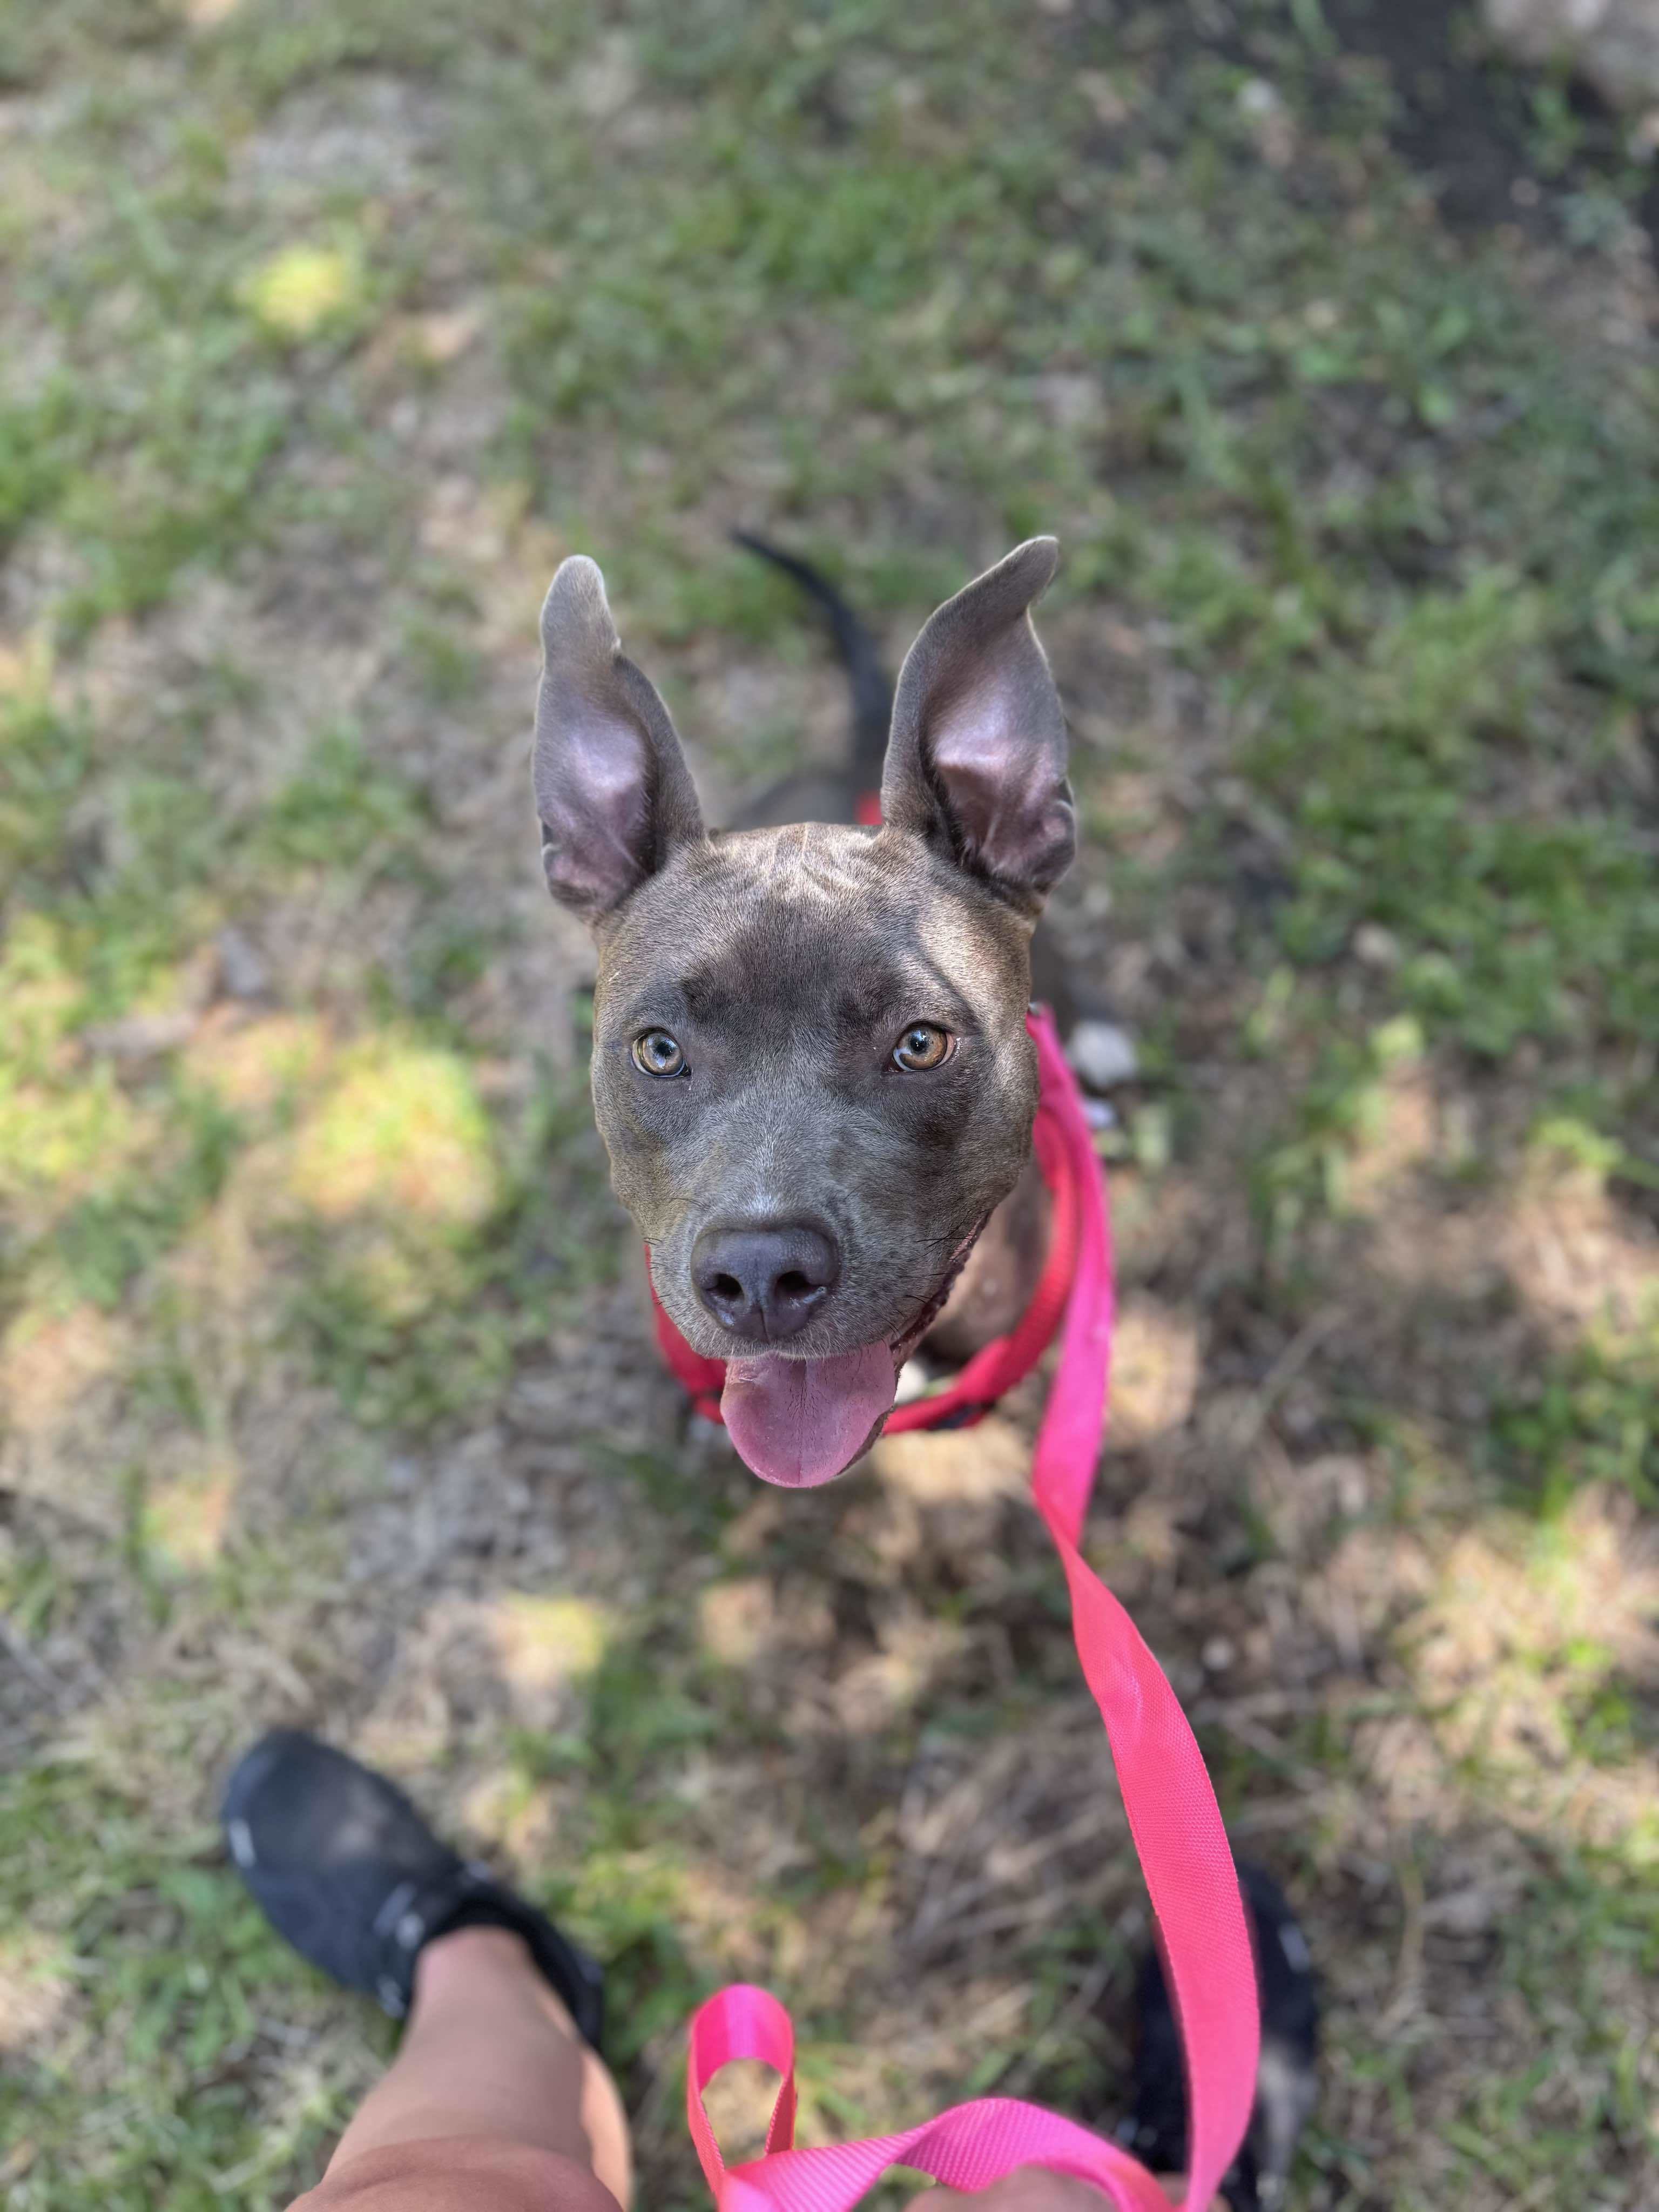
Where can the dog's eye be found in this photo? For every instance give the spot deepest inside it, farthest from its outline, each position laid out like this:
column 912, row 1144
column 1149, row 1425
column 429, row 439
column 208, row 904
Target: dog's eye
column 659, row 1054
column 923, row 1045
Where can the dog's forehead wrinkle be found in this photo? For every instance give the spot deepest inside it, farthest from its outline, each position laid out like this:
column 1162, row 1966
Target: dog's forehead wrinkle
column 811, row 883
column 815, row 859
column 781, row 972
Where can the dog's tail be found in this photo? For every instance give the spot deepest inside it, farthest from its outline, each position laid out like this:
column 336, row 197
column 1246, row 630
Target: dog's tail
column 872, row 686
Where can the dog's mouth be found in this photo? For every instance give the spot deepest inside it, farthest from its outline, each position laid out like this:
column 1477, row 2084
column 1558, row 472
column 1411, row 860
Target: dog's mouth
column 802, row 1422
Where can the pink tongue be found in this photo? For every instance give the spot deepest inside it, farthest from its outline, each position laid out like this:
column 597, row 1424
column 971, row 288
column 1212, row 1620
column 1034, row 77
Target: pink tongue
column 800, row 1422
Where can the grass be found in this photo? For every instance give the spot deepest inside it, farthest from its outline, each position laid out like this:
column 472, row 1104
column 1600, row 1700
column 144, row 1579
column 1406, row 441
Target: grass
column 329, row 330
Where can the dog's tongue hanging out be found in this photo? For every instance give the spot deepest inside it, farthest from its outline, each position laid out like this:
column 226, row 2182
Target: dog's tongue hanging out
column 800, row 1422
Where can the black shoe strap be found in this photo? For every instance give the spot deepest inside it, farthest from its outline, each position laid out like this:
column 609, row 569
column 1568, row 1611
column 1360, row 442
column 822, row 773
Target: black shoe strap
column 471, row 1897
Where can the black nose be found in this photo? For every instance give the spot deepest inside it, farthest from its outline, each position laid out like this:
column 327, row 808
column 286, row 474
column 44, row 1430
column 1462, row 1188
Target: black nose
column 764, row 1284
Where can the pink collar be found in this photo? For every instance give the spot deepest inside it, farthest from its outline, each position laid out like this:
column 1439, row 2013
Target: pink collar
column 1173, row 1816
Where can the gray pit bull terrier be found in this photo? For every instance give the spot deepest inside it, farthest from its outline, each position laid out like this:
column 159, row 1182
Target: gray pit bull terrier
column 811, row 1065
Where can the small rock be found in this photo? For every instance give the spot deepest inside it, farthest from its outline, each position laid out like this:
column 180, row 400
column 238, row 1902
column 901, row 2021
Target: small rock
column 1257, row 98
column 1217, row 1654
column 1102, row 1054
column 1376, row 946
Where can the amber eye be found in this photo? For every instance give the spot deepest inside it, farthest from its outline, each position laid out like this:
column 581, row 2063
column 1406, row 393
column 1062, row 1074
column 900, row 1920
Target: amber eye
column 657, row 1053
column 923, row 1045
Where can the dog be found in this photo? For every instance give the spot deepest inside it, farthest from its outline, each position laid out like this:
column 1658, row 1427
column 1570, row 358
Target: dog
column 813, row 1078
column 811, row 1069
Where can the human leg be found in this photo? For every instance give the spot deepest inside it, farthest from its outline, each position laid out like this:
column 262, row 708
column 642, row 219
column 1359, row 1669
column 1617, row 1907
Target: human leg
column 497, row 2100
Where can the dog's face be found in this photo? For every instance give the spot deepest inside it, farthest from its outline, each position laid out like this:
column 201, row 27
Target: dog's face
column 811, row 1065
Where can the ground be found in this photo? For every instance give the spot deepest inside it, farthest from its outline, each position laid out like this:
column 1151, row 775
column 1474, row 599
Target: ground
column 327, row 331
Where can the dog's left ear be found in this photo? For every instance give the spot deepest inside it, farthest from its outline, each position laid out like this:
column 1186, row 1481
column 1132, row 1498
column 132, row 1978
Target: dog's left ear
column 613, row 792
column 977, row 758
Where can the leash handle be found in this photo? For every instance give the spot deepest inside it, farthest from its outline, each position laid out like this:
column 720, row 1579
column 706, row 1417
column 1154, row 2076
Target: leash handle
column 970, row 2147
column 1174, row 1820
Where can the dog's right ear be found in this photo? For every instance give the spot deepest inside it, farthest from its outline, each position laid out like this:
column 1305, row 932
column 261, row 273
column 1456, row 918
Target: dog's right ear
column 976, row 760
column 613, row 793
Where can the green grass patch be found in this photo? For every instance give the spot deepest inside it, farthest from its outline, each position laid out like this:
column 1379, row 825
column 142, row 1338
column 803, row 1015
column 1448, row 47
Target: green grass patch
column 168, row 1971
column 1590, row 1417
column 109, row 1238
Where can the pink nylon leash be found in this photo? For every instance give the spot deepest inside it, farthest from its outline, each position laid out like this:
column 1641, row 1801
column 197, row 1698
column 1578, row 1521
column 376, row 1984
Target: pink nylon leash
column 1173, row 1818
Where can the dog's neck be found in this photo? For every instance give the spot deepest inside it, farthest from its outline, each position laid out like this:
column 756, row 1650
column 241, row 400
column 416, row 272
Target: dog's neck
column 999, row 1276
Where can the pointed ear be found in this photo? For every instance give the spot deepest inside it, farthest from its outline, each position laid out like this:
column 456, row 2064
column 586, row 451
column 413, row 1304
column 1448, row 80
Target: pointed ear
column 977, row 755
column 612, row 790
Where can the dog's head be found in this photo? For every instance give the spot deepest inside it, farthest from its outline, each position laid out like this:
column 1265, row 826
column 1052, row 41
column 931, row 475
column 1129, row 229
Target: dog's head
column 811, row 1065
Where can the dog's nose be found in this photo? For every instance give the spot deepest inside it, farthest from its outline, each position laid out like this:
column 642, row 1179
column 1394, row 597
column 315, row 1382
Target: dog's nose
column 764, row 1284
